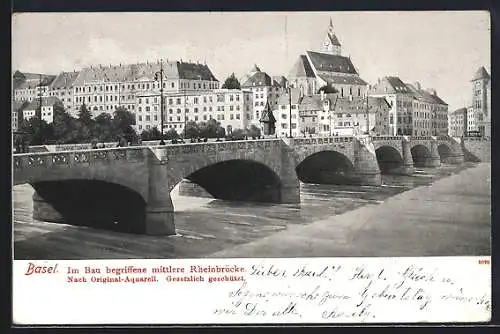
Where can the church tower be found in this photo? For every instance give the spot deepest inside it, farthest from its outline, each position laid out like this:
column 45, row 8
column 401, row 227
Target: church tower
column 331, row 44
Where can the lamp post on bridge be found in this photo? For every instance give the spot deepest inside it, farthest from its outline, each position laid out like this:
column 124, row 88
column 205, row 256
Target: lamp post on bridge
column 160, row 75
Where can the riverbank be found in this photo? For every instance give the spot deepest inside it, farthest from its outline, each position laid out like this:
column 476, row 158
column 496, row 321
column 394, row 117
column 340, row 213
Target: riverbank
column 448, row 218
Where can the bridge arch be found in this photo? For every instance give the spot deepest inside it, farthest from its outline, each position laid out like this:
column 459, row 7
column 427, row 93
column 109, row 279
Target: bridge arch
column 89, row 202
column 326, row 167
column 420, row 155
column 389, row 159
column 239, row 180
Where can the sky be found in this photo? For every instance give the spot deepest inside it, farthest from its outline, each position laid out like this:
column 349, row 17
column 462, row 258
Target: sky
column 441, row 50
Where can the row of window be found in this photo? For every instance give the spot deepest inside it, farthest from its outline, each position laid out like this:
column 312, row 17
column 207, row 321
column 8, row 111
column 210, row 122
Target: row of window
column 220, row 117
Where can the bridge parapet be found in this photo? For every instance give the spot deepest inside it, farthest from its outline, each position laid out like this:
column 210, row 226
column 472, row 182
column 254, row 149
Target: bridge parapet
column 214, row 147
column 319, row 140
column 47, row 159
column 381, row 138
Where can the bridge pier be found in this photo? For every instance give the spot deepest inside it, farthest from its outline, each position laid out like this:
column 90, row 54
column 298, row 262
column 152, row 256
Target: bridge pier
column 366, row 169
column 434, row 159
column 44, row 211
column 159, row 215
column 408, row 168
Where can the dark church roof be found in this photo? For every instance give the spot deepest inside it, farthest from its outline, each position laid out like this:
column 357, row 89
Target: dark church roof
column 342, row 79
column 481, row 73
column 324, row 62
column 302, row 68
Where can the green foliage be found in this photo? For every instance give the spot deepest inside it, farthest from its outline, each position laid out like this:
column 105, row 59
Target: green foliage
column 151, row 134
column 39, row 132
column 170, row 134
column 66, row 129
column 253, row 131
column 231, row 82
column 328, row 89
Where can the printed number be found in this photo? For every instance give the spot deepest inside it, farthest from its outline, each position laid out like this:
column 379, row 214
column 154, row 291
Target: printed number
column 484, row 261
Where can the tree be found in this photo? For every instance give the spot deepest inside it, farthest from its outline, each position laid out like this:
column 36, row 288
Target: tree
column 123, row 122
column 84, row 114
column 64, row 125
column 104, row 130
column 171, row 134
column 39, row 132
column 231, row 82
column 328, row 89
column 192, row 130
column 253, row 131
column 151, row 134
column 238, row 134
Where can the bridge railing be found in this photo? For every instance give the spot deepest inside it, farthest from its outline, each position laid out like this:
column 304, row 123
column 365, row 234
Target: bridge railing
column 320, row 140
column 46, row 159
column 378, row 138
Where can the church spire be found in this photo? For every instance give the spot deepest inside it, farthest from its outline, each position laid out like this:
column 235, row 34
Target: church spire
column 331, row 43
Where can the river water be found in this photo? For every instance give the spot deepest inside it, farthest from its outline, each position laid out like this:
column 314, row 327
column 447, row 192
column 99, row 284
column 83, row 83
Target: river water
column 204, row 226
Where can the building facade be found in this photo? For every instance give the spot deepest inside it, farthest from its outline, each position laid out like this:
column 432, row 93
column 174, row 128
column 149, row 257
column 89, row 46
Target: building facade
column 265, row 89
column 458, row 122
column 62, row 88
column 231, row 107
column 30, row 86
column 105, row 88
column 47, row 108
column 414, row 111
column 481, row 101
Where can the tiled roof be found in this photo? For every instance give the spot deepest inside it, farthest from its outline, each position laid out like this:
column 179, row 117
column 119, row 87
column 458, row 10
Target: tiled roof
column 397, row 85
column 342, row 79
column 333, row 39
column 46, row 101
column 284, row 98
column 302, row 68
column 324, row 62
column 33, row 81
column 258, row 79
column 64, row 80
column 279, row 81
column 193, row 71
column 481, row 73
column 424, row 96
column 311, row 103
column 134, row 72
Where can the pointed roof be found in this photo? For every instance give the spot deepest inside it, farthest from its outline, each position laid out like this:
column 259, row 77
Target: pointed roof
column 333, row 39
column 257, row 78
column 285, row 100
column 481, row 73
column 267, row 114
column 301, row 68
column 324, row 62
column 279, row 81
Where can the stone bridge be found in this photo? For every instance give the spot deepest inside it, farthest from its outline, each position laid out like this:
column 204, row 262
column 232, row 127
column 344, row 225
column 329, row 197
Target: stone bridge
column 128, row 189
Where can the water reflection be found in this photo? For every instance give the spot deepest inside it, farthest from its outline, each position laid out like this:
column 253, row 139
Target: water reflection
column 204, row 225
